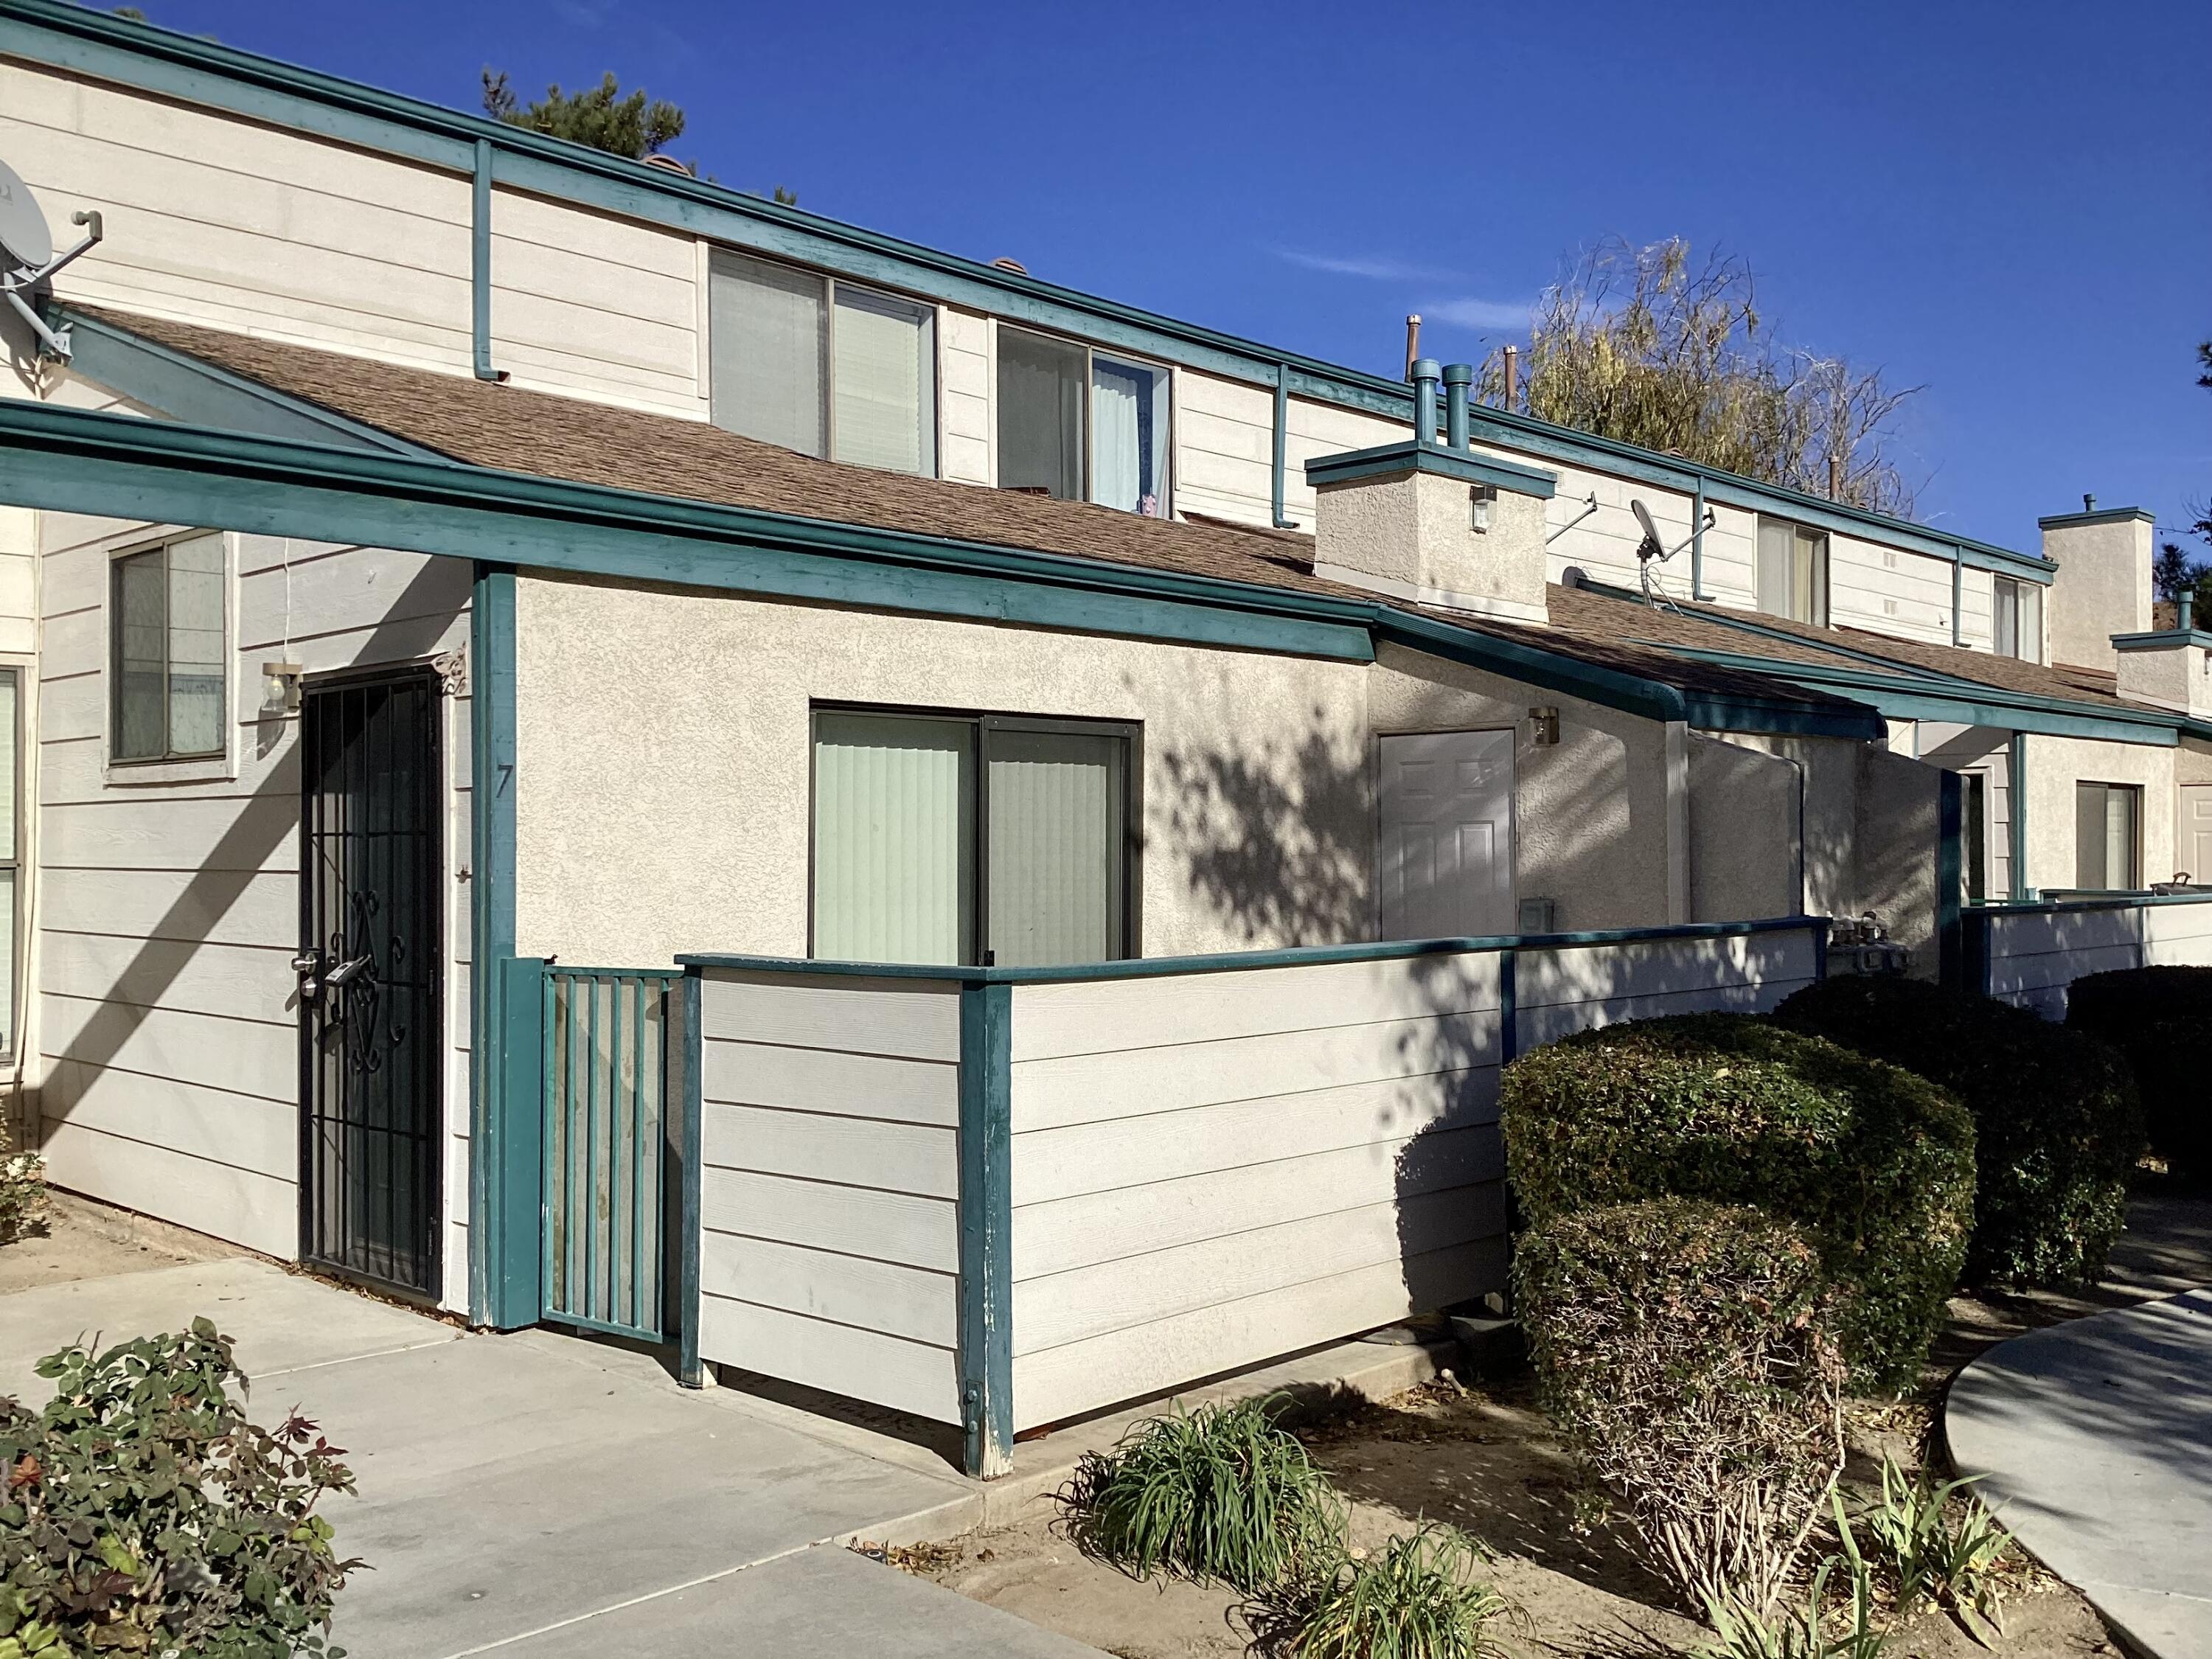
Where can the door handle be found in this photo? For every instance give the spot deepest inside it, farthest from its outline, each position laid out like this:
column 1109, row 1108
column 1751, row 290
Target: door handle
column 307, row 965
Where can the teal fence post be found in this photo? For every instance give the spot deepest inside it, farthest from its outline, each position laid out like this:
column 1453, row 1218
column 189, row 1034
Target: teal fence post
column 1950, row 878
column 986, row 1215
column 1508, row 1010
column 690, row 1370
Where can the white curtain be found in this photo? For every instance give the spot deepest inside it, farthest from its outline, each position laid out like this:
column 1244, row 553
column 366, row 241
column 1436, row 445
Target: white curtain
column 195, row 650
column 1116, row 464
column 884, row 377
column 1777, row 545
column 1057, row 845
column 894, row 839
column 765, row 325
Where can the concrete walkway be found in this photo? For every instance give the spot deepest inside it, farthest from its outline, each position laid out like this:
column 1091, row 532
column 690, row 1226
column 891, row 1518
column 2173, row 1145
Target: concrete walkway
column 543, row 1496
column 2094, row 1441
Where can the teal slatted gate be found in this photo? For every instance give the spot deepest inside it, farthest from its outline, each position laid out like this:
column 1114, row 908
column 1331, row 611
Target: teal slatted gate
column 606, row 1119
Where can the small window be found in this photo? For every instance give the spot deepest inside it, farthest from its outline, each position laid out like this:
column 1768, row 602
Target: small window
column 960, row 840
column 1079, row 425
column 2107, row 836
column 2019, row 619
column 1793, row 572
column 166, row 629
column 822, row 366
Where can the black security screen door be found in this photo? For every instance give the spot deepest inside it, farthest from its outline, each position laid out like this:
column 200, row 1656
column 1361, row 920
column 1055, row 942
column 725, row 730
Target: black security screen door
column 371, row 1106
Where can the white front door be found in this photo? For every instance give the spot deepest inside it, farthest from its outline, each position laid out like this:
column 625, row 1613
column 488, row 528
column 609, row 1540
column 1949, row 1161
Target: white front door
column 1447, row 836
column 2193, row 845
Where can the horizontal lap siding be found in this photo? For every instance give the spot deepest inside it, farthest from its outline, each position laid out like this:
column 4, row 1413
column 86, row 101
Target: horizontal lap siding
column 2034, row 957
column 2178, row 935
column 1560, row 992
column 829, row 1185
column 1213, row 1170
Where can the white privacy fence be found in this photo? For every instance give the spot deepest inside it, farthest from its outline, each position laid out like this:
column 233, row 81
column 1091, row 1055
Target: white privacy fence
column 2029, row 954
column 1005, row 1198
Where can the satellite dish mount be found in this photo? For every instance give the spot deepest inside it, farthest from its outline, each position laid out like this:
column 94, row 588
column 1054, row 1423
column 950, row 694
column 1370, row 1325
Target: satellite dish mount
column 28, row 257
column 1653, row 550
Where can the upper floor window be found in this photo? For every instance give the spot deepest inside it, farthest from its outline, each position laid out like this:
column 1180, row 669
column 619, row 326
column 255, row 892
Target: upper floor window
column 1793, row 572
column 166, row 641
column 2107, row 835
column 964, row 839
column 822, row 366
column 1079, row 425
column 2019, row 619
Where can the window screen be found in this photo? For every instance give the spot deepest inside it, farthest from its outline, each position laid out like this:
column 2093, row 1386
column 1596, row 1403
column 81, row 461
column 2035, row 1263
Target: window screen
column 1057, row 840
column 1040, row 390
column 166, row 643
column 766, row 325
column 2107, row 835
column 885, row 375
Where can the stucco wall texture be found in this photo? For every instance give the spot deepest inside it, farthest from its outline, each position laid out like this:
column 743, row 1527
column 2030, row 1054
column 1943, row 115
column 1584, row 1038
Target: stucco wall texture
column 663, row 770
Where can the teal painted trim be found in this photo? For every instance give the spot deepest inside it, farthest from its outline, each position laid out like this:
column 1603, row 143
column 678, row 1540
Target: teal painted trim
column 2116, row 901
column 480, row 260
column 1279, row 468
column 70, row 460
column 1389, row 461
column 1959, row 599
column 1697, row 542
column 2164, row 640
column 1820, row 953
column 690, row 1372
column 1308, row 956
column 1509, row 1008
column 1653, row 699
column 504, row 1111
column 197, row 393
column 2102, row 515
column 2016, row 793
column 987, row 1220
column 1950, row 875
column 264, row 89
column 1974, row 965
column 1741, row 713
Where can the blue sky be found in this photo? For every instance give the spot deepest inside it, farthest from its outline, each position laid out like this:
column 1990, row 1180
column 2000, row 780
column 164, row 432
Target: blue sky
column 2008, row 204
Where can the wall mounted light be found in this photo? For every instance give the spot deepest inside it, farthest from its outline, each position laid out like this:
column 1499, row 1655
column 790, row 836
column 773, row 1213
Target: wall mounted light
column 280, row 688
column 1479, row 497
column 1543, row 727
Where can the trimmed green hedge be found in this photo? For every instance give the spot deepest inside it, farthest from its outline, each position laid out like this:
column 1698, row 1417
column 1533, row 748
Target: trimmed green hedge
column 2056, row 1125
column 2160, row 1020
column 1875, row 1164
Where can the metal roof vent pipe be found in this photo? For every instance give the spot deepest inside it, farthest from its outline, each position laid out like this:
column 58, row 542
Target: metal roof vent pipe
column 1457, row 377
column 1425, row 375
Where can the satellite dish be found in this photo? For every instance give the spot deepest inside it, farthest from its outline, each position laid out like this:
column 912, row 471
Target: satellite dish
column 1652, row 547
column 24, row 237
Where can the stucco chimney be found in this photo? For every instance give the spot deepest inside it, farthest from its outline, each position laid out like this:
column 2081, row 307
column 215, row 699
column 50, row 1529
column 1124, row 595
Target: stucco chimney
column 1435, row 524
column 2103, row 583
column 2171, row 669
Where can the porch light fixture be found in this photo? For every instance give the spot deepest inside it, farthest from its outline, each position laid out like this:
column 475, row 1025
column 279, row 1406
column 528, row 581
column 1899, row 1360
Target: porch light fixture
column 1543, row 727
column 1480, row 496
column 280, row 688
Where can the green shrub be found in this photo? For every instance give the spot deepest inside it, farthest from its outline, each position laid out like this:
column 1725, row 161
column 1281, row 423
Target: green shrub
column 2057, row 1126
column 1222, row 1493
column 144, row 1513
column 1684, row 1349
column 2160, row 1020
column 1421, row 1596
column 1875, row 1164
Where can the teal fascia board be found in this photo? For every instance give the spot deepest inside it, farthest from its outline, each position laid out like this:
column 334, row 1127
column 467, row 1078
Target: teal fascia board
column 2101, row 515
column 1388, row 460
column 1779, row 716
column 2164, row 640
column 74, row 461
column 1231, row 962
column 197, row 394
column 109, row 48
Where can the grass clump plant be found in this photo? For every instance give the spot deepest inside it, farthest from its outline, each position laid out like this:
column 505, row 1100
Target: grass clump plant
column 1420, row 1596
column 1936, row 1542
column 1222, row 1494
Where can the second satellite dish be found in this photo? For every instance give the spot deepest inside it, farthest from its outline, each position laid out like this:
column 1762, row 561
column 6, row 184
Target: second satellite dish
column 24, row 237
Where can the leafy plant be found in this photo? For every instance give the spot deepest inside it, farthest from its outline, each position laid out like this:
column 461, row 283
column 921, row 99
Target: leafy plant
column 1420, row 1597
column 2160, row 1020
column 22, row 1193
column 1807, row 1630
column 1937, row 1541
column 1683, row 1349
column 2057, row 1127
column 143, row 1512
column 1221, row 1494
column 1875, row 1164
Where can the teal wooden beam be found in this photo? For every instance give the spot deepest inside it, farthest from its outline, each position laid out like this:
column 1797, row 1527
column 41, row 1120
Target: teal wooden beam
column 1277, row 474
column 2016, row 791
column 987, row 1278
column 1950, row 873
column 690, row 1367
column 480, row 260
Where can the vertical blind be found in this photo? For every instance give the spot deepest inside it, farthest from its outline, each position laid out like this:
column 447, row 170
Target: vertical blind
column 1128, row 437
column 885, row 380
column 893, row 838
column 1057, row 839
column 2019, row 620
column 2106, row 836
column 1041, row 386
column 765, row 325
